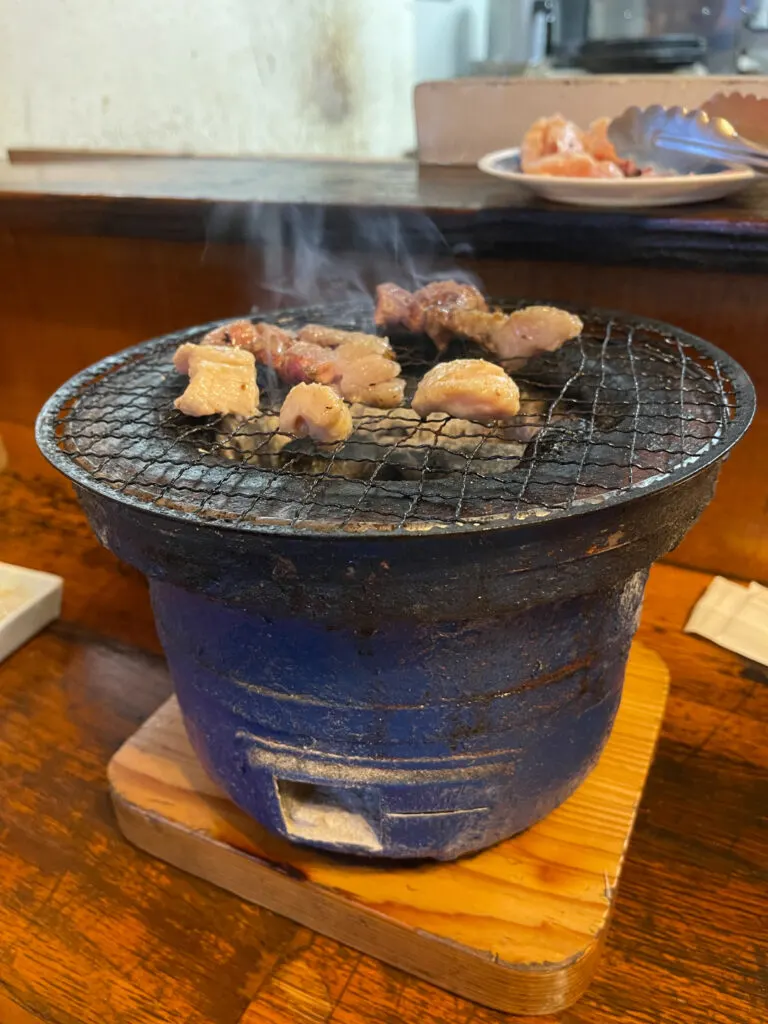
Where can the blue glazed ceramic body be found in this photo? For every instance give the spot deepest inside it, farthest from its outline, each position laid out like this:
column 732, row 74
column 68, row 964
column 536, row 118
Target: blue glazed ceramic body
column 421, row 696
column 411, row 740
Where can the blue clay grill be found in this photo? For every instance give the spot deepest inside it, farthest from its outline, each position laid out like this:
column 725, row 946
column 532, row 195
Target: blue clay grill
column 410, row 644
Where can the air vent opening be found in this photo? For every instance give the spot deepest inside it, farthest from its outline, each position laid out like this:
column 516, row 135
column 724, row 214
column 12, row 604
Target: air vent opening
column 334, row 815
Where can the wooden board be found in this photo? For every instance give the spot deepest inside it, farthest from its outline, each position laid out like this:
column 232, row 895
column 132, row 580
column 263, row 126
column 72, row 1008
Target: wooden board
column 518, row 927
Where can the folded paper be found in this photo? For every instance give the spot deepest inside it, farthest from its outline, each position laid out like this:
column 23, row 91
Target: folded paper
column 733, row 616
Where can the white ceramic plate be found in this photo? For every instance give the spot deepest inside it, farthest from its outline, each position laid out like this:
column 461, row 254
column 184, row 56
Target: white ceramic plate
column 687, row 188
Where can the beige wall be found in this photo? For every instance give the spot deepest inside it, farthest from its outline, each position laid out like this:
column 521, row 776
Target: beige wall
column 208, row 76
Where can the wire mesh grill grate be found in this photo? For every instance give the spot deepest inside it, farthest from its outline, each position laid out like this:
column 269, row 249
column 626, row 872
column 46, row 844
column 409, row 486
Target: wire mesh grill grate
column 630, row 406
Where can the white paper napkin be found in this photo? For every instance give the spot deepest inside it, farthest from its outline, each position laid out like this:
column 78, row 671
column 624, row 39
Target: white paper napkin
column 29, row 600
column 733, row 616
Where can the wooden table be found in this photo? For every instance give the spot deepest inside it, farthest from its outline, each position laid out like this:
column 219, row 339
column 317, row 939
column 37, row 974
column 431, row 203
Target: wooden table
column 94, row 932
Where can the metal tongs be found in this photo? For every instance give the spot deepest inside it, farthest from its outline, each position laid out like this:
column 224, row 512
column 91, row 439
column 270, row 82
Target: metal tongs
column 727, row 129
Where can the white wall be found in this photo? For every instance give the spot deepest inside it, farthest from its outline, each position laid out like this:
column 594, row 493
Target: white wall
column 450, row 36
column 208, row 76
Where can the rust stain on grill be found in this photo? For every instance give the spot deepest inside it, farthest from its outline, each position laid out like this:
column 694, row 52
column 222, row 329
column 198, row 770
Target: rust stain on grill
column 613, row 540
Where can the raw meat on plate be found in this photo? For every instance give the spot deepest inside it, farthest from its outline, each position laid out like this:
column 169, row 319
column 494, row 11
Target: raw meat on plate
column 558, row 147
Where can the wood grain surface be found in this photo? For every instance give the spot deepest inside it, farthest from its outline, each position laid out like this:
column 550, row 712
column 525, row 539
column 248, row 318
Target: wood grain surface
column 92, row 931
column 517, row 927
column 220, row 199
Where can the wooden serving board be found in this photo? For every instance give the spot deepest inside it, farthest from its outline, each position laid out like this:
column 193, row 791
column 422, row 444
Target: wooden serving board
column 518, row 927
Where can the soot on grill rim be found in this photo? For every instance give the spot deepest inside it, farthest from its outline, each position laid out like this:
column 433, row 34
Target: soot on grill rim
column 631, row 405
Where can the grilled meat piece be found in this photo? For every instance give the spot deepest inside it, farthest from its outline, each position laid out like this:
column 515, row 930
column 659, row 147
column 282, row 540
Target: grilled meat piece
column 269, row 344
column 316, row 411
column 387, row 394
column 446, row 309
column 293, row 360
column 359, row 366
column 470, row 389
column 360, row 374
column 519, row 335
column 362, row 367
column 237, row 334
column 304, row 362
column 221, row 380
column 395, row 307
column 331, row 337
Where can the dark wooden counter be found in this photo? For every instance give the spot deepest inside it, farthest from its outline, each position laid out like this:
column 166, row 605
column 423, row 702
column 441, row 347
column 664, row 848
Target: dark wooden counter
column 479, row 216
column 94, row 932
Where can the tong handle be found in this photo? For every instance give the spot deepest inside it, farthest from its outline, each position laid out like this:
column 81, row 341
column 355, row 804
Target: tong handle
column 740, row 151
column 682, row 140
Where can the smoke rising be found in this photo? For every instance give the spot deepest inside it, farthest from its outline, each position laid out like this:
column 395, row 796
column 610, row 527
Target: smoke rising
column 310, row 254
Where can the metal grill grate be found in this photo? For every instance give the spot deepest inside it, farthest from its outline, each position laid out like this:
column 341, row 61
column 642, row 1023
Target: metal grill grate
column 630, row 406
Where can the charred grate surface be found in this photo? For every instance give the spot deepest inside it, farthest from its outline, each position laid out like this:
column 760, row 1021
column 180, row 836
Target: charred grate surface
column 629, row 407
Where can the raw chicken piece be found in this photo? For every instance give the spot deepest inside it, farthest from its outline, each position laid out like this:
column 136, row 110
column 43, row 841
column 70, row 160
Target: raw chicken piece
column 549, row 136
column 575, row 165
column 221, row 380
column 608, row 169
column 597, row 143
column 470, row 389
column 519, row 335
column 316, row 411
column 395, row 307
column 556, row 147
column 331, row 337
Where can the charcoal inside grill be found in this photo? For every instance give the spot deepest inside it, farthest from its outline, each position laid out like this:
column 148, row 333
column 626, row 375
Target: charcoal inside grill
column 628, row 405
column 437, row 446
